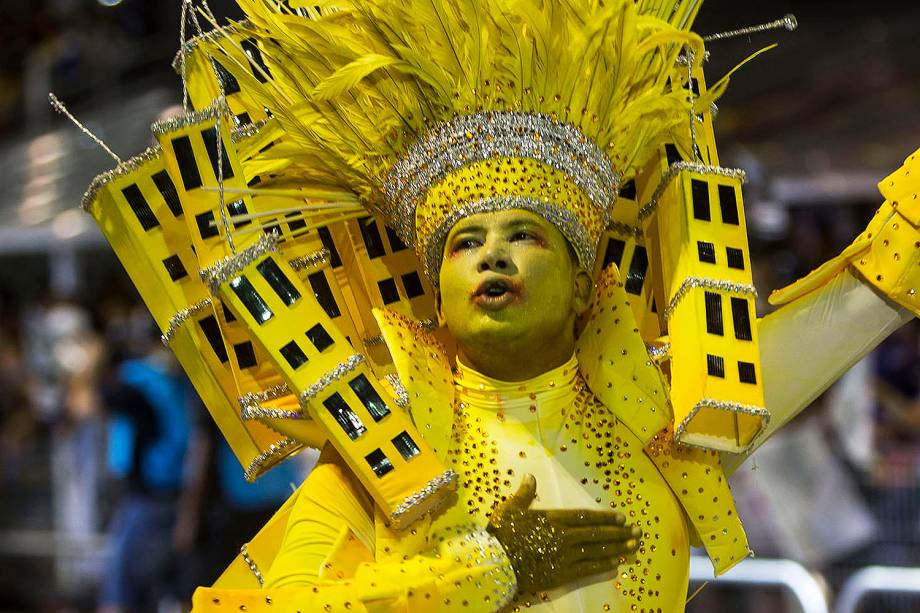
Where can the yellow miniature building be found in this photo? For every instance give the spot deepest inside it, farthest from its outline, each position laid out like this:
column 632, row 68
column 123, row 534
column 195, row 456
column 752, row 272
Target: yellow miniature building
column 209, row 79
column 137, row 207
column 334, row 383
column 693, row 211
column 623, row 245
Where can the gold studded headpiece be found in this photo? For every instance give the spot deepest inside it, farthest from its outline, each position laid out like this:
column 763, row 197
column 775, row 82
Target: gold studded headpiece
column 497, row 160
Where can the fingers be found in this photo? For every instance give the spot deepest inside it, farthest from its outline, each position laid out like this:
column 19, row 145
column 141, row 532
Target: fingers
column 600, row 534
column 586, row 568
column 597, row 551
column 526, row 492
column 587, row 517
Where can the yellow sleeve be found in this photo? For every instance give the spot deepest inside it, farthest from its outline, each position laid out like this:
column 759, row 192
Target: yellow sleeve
column 812, row 341
column 326, row 563
column 329, row 518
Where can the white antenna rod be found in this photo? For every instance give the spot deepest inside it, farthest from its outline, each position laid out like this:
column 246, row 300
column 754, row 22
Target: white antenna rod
column 788, row 22
column 60, row 108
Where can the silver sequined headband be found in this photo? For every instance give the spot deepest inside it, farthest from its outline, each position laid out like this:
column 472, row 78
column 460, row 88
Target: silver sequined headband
column 490, row 134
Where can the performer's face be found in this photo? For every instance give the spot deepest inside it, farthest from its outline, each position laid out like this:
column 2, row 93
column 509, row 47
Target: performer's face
column 510, row 280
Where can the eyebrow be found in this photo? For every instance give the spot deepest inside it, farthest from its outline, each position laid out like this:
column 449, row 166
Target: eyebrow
column 473, row 228
column 514, row 222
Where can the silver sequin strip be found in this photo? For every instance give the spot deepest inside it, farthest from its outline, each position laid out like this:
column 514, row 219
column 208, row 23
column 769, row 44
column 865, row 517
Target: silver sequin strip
column 248, row 130
column 656, row 352
column 244, row 552
column 490, row 134
column 447, row 479
column 331, row 377
column 282, row 447
column 422, row 324
column 125, row 168
column 564, row 219
column 311, row 260
column 624, row 230
column 176, row 321
column 189, row 119
column 678, row 167
column 721, row 405
column 260, row 412
column 788, row 21
column 401, row 393
column 251, row 404
column 231, row 266
column 716, row 284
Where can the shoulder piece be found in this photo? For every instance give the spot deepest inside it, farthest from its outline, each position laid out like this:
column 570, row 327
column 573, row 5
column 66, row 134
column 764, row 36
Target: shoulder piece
column 615, row 363
column 695, row 476
column 423, row 369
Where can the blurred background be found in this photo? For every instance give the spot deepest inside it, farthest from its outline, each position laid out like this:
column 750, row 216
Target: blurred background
column 815, row 123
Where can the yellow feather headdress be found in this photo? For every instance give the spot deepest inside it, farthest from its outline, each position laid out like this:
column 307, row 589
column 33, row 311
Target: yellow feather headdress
column 425, row 111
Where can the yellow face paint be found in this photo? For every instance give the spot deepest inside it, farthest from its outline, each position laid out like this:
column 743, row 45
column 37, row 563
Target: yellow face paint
column 508, row 287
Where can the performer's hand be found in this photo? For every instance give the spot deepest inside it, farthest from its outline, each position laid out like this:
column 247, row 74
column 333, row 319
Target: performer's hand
column 549, row 548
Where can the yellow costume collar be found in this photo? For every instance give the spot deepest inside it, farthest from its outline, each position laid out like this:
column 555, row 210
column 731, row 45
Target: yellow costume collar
column 488, row 393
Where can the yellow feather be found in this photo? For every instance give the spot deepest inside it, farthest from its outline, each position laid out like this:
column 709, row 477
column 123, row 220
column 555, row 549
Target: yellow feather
column 348, row 76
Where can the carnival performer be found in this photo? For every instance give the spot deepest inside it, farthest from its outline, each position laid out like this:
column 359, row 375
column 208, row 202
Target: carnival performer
column 587, row 420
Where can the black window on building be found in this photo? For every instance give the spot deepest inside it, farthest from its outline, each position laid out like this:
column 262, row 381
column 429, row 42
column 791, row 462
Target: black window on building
column 613, row 254
column 707, row 252
column 742, row 319
column 699, row 191
column 729, row 205
column 715, row 365
column 140, row 207
column 637, row 269
column 714, row 314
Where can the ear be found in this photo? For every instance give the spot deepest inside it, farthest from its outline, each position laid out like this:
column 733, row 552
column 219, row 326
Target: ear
column 437, row 306
column 584, row 286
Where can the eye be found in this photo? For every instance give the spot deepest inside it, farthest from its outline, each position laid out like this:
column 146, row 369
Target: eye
column 522, row 235
column 462, row 244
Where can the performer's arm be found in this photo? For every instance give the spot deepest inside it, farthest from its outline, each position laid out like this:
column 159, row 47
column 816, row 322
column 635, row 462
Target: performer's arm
column 810, row 343
column 840, row 312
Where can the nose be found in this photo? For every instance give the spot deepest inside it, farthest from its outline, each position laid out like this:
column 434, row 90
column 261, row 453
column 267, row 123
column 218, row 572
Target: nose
column 494, row 257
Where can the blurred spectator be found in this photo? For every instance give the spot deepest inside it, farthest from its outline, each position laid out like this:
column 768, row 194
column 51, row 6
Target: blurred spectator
column 16, row 421
column 150, row 433
column 235, row 509
column 893, row 486
column 62, row 355
column 897, row 385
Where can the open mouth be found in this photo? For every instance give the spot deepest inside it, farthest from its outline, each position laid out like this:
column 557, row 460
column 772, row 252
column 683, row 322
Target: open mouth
column 496, row 293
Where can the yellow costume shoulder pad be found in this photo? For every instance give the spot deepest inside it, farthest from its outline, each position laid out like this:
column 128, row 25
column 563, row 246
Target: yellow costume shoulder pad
column 615, row 363
column 695, row 476
column 903, row 186
column 424, row 371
